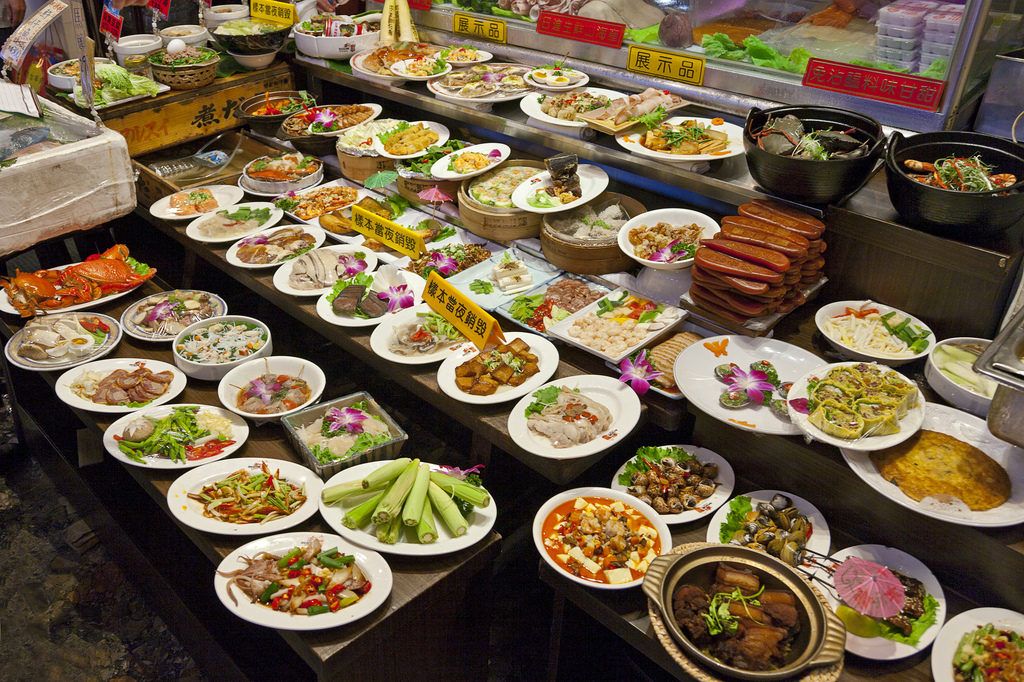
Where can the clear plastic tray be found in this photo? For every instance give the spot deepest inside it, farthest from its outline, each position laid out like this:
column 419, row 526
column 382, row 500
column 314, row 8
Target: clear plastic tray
column 896, row 15
column 936, row 49
column 896, row 31
column 940, row 37
column 899, row 57
column 948, row 22
column 893, row 43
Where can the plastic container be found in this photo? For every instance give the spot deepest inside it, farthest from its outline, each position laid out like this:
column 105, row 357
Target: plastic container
column 905, row 44
column 940, row 37
column 215, row 16
column 936, row 49
column 192, row 35
column 896, row 31
column 142, row 43
column 897, row 15
column 947, row 22
column 918, row 4
column 885, row 54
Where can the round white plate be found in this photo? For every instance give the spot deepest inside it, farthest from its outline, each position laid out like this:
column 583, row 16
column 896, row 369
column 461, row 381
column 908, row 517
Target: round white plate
column 445, row 96
column 399, row 69
column 190, row 512
column 360, row 194
column 531, row 106
column 909, row 425
column 880, row 648
column 481, row 57
column 319, row 236
column 442, row 136
column 631, row 142
column 6, row 307
column 244, row 186
column 238, row 377
column 226, row 195
column 952, row 632
column 360, row 71
column 380, row 340
column 969, row 429
column 376, row 111
column 547, row 361
column 373, row 566
column 113, row 338
column 830, row 310
column 132, row 330
column 282, row 274
column 479, row 523
column 193, row 229
column 673, row 216
column 726, row 483
column 556, row 88
column 820, row 540
column 593, row 181
column 323, row 307
column 440, row 168
column 694, row 370
column 655, row 519
column 618, row 397
column 239, row 434
column 68, row 397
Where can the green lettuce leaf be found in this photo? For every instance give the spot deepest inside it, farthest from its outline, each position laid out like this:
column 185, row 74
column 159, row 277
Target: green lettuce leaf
column 648, row 34
column 721, row 46
column 738, row 509
column 927, row 619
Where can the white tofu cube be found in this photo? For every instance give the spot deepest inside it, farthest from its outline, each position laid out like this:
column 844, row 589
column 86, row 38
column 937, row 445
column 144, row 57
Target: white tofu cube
column 580, row 503
column 617, row 506
column 618, row 576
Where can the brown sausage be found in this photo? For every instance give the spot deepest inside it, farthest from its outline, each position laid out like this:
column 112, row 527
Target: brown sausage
column 750, row 235
column 759, row 255
column 784, row 216
column 765, row 226
column 709, row 259
column 716, row 309
column 715, row 280
column 737, row 303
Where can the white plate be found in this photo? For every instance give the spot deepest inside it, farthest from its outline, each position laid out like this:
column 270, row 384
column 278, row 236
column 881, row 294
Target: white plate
column 618, row 397
column 400, row 70
column 360, row 194
column 6, row 307
column 631, row 142
column 239, row 434
column 64, row 82
column 479, row 523
column 539, row 270
column 880, row 648
column 440, row 168
column 380, row 340
column 726, row 484
column 282, row 274
column 160, row 89
column 240, row 376
column 547, row 361
column 226, row 195
column 132, row 330
column 556, row 88
column 445, row 96
column 360, row 71
column 190, row 512
column 531, row 106
column 909, row 425
column 830, row 310
column 969, row 429
column 68, row 397
column 952, row 632
column 820, row 540
column 694, row 370
column 231, row 256
column 655, row 519
column 415, row 283
column 113, row 338
column 677, row 217
column 246, row 189
column 373, row 566
column 439, row 128
column 376, row 111
column 593, row 181
column 193, row 229
column 481, row 57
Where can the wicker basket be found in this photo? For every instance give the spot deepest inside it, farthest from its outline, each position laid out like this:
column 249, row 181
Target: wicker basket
column 500, row 224
column 358, row 168
column 411, row 187
column 583, row 258
column 185, row 77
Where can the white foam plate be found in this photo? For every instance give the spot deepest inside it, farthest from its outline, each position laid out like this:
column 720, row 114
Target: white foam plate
column 231, row 256
column 949, row 637
column 820, row 540
column 630, row 141
column 108, row 345
column 323, row 307
column 380, row 340
column 531, row 106
column 440, row 168
column 6, row 307
column 194, row 229
column 439, row 128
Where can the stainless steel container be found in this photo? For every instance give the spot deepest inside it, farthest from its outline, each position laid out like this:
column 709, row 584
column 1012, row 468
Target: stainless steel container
column 1002, row 107
column 1003, row 363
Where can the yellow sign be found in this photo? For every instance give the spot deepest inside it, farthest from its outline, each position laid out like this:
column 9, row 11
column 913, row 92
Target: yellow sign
column 478, row 27
column 685, row 68
column 474, row 322
column 273, row 11
column 388, row 232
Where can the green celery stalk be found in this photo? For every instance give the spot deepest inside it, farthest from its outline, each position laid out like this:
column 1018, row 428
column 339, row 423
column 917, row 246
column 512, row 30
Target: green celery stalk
column 359, row 516
column 386, row 473
column 390, row 505
column 477, row 497
column 426, row 531
column 447, row 510
column 388, row 532
column 342, row 491
column 413, row 508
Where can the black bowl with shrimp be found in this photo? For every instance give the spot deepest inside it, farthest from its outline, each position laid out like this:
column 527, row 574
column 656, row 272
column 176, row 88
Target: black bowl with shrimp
column 956, row 184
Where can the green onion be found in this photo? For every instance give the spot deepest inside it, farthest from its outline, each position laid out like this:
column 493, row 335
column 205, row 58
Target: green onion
column 359, row 516
column 317, row 609
column 447, row 510
column 477, row 497
column 391, row 504
column 283, row 561
column 386, row 473
column 413, row 508
column 268, row 593
column 426, row 531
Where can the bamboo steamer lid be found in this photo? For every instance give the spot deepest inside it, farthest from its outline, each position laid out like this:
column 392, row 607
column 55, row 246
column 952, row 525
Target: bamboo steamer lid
column 589, row 258
column 358, row 168
column 496, row 223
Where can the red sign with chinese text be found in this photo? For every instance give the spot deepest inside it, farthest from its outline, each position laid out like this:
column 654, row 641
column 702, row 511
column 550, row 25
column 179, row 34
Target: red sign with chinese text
column 423, row 5
column 161, row 6
column 582, row 29
column 877, row 84
column 111, row 24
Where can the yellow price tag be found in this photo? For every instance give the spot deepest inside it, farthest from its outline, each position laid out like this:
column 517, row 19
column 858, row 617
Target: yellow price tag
column 479, row 27
column 474, row 322
column 273, row 11
column 685, row 68
column 388, row 232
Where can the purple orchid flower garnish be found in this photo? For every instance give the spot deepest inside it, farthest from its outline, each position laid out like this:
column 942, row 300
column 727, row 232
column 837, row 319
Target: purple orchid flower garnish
column 254, row 240
column 352, row 265
column 494, row 154
column 638, row 373
column 456, row 472
column 346, row 419
column 755, row 383
column 667, row 254
column 325, row 117
column 443, row 263
column 801, row 405
column 161, row 311
column 264, row 390
column 398, row 297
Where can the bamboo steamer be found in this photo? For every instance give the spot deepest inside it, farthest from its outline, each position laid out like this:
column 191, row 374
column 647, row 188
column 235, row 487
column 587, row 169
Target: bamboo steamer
column 358, row 168
column 498, row 224
column 582, row 258
column 411, row 187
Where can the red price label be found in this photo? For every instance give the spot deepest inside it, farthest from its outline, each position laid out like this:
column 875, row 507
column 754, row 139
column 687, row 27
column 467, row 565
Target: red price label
column 582, row 29
column 423, row 5
column 110, row 24
column 877, row 84
column 161, row 6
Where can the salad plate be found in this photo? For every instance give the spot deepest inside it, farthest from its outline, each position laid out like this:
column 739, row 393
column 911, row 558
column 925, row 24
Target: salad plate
column 413, row 283
column 861, row 330
column 532, row 105
column 231, row 256
column 547, row 362
column 226, row 195
column 820, row 540
column 235, row 216
column 94, row 372
column 284, row 273
column 239, row 432
column 439, row 129
column 384, row 335
column 593, row 181
column 443, row 168
column 62, row 341
column 947, row 644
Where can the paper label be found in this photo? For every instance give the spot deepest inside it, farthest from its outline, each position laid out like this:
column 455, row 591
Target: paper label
column 273, row 11
column 161, row 6
column 877, row 84
column 479, row 27
column 685, row 68
column 475, row 323
column 388, row 232
column 18, row 45
column 111, row 24
column 582, row 29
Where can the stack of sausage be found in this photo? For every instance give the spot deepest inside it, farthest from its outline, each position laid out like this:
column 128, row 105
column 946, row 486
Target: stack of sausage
column 758, row 263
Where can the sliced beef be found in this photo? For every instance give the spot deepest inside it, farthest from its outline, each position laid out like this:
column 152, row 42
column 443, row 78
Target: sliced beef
column 348, row 300
column 373, row 306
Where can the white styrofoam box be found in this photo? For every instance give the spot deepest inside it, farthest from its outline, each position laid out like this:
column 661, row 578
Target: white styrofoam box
column 891, row 43
column 900, row 31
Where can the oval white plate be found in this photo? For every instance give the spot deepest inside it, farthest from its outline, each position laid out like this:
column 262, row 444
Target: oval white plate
column 231, row 256
column 479, row 523
column 481, row 57
column 323, row 307
column 68, row 397
column 820, row 540
column 282, row 274
column 440, row 168
column 376, row 111
column 952, row 632
column 694, row 370
column 258, row 193
column 6, row 307
column 193, row 229
column 726, row 484
column 531, row 106
column 373, row 566
column 400, row 70
column 631, row 142
column 360, row 194
column 909, row 425
column 972, row 430
column 656, row 520
column 556, row 88
column 839, row 307
column 227, row 389
column 593, row 181
column 618, row 397
column 132, row 330
column 439, row 128
column 113, row 338
column 226, row 195
column 239, row 434
column 190, row 512
column 446, row 96
column 547, row 361
column 360, row 71
column 674, row 216
column 380, row 340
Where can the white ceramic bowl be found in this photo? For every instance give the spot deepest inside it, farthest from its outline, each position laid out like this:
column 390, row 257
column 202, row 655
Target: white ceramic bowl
column 275, row 364
column 838, row 307
column 254, row 61
column 953, row 393
column 68, row 83
column 208, row 372
column 215, row 16
column 192, row 35
column 141, row 43
column 673, row 216
column 340, row 48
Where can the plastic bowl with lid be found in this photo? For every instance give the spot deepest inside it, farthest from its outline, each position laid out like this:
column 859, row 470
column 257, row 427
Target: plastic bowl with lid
column 207, row 371
column 142, row 43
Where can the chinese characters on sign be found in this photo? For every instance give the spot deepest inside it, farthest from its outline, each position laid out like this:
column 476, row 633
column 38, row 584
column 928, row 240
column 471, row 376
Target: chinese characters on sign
column 423, row 5
column 685, row 68
column 206, row 116
column 111, row 24
column 161, row 6
column 451, row 304
column 18, row 44
column 273, row 11
column 399, row 238
column 478, row 27
column 604, row 33
column 885, row 86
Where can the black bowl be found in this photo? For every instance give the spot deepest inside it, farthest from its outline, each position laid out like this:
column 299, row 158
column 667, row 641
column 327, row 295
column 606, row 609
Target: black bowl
column 806, row 180
column 265, row 125
column 259, row 43
column 310, row 145
column 946, row 212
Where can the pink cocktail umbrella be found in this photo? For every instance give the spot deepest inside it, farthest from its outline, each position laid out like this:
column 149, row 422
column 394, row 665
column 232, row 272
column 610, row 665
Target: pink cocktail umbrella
column 434, row 195
column 869, row 588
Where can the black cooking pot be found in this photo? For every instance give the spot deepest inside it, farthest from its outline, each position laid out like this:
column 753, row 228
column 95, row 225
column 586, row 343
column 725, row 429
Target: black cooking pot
column 806, row 180
column 947, row 212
